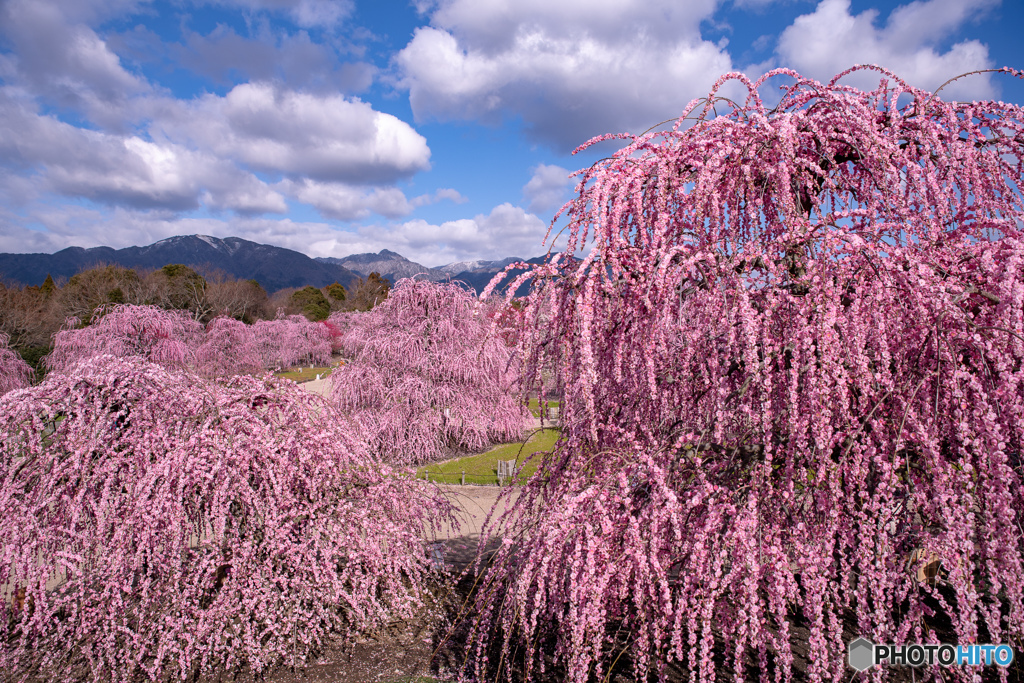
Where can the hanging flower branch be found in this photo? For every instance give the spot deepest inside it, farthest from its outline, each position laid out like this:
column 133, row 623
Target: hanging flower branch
column 792, row 356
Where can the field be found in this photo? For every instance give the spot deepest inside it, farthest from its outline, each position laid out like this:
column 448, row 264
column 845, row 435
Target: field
column 305, row 374
column 482, row 468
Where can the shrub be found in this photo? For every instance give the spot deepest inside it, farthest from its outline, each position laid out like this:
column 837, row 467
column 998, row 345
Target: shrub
column 155, row 524
column 336, row 292
column 312, row 302
column 791, row 357
column 429, row 379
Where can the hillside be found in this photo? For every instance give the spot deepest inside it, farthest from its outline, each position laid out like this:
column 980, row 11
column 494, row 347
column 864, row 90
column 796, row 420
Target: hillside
column 273, row 267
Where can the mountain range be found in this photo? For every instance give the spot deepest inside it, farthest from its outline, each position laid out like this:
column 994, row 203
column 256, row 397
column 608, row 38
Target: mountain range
column 394, row 266
column 274, row 268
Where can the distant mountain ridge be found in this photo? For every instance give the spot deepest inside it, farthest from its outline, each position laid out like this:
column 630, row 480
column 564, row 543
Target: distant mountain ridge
column 273, row 267
column 389, row 264
column 393, row 266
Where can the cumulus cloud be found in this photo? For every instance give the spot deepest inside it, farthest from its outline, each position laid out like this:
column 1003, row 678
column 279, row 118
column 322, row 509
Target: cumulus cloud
column 574, row 69
column 66, row 63
column 305, row 13
column 224, row 56
column 345, row 202
column 548, row 187
column 441, row 194
column 116, row 139
column 831, row 39
column 128, row 170
column 570, row 69
column 506, row 230
column 66, row 225
column 325, row 137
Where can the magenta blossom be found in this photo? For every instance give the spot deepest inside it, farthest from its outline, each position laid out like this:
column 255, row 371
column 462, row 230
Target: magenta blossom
column 792, row 357
column 158, row 525
column 15, row 373
column 430, row 379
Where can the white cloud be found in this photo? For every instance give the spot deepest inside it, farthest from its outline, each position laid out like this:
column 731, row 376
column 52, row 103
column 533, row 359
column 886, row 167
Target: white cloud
column 756, row 5
column 198, row 153
column 345, row 202
column 67, row 63
column 441, row 194
column 123, row 169
column 305, row 13
column 231, row 189
column 293, row 58
column 143, row 148
column 506, row 231
column 571, row 69
column 831, row 39
column 450, row 194
column 548, row 187
column 325, row 137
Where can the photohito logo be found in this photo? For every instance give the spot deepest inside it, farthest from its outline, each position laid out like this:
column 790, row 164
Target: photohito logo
column 862, row 654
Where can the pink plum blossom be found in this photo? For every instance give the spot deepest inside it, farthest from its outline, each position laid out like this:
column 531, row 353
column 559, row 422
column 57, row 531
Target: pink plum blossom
column 158, row 525
column 791, row 356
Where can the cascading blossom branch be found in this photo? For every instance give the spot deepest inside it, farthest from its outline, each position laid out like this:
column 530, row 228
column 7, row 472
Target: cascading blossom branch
column 228, row 347
column 793, row 356
column 430, row 378
column 292, row 340
column 165, row 337
column 345, row 328
column 157, row 525
column 15, row 373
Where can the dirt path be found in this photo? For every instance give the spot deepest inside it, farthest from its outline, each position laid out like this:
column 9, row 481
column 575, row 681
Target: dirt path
column 407, row 650
column 473, row 504
column 318, row 386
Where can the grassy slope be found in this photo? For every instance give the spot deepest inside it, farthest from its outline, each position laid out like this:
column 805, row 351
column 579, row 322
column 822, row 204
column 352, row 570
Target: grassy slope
column 306, row 375
column 535, row 406
column 482, row 468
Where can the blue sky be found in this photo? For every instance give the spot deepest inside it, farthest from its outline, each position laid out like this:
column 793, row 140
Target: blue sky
column 440, row 129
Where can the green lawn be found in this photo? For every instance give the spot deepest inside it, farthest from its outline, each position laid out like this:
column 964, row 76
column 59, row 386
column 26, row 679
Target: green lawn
column 307, row 374
column 535, row 406
column 482, row 468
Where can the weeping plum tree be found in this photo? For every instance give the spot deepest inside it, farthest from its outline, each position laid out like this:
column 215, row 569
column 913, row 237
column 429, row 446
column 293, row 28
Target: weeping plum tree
column 228, row 347
column 172, row 338
column 292, row 340
column 429, row 378
column 347, row 337
column 161, row 336
column 15, row 373
column 162, row 526
column 792, row 357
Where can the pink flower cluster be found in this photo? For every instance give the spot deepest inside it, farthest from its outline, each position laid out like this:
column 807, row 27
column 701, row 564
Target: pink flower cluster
column 157, row 525
column 164, row 337
column 429, row 378
column 15, row 373
column 172, row 338
column 346, row 328
column 292, row 340
column 792, row 357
